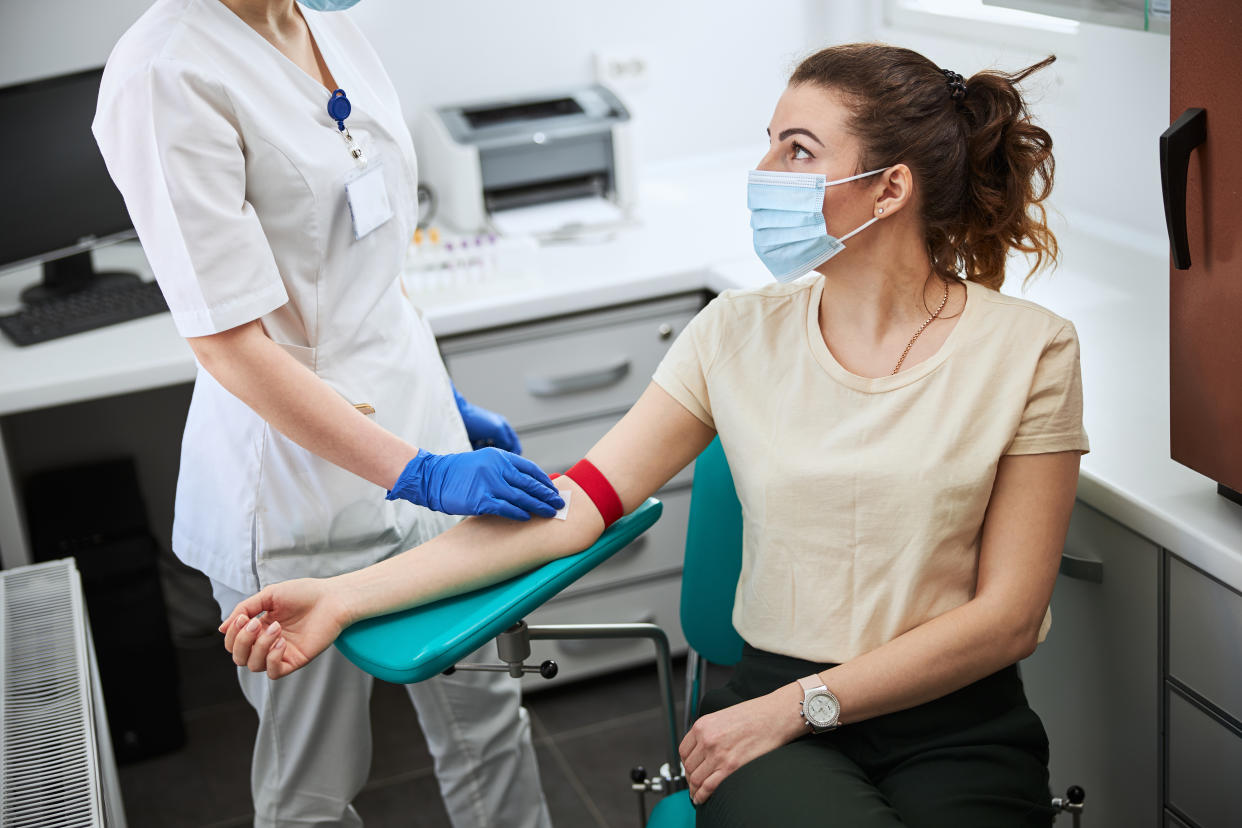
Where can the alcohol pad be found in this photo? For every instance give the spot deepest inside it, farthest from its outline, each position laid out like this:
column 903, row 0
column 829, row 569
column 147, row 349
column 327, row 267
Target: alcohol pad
column 563, row 514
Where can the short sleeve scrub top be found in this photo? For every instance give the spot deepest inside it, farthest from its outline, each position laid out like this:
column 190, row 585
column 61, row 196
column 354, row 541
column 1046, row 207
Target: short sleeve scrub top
column 235, row 178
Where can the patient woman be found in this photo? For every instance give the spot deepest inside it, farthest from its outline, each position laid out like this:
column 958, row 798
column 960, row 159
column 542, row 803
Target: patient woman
column 905, row 444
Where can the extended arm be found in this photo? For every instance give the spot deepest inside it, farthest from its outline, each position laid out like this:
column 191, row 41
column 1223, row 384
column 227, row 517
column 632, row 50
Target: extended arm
column 652, row 442
column 1023, row 534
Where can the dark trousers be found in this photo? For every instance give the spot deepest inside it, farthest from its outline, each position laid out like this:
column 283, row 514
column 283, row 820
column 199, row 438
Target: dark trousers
column 976, row 758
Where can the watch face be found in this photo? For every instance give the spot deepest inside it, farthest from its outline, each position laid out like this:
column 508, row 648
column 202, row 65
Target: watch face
column 822, row 710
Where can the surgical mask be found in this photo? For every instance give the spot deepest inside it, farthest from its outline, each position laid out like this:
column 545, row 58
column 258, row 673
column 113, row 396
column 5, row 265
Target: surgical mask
column 328, row 5
column 787, row 215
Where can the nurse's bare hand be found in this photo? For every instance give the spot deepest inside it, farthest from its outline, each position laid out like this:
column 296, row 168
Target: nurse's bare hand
column 283, row 627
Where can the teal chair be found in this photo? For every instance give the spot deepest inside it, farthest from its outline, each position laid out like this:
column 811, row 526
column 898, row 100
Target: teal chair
column 710, row 573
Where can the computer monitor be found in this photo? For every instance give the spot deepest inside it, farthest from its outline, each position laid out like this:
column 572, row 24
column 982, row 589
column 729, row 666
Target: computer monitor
column 61, row 201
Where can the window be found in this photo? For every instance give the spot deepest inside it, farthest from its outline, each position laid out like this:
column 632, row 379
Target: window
column 984, row 23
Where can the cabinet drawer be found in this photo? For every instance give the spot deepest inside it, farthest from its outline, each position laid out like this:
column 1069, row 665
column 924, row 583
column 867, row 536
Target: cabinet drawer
column 1204, row 765
column 570, row 368
column 658, row 551
column 557, row 448
column 656, row 601
column 1205, row 637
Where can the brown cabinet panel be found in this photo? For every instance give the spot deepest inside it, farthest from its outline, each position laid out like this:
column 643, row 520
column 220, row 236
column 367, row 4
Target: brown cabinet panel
column 1206, row 299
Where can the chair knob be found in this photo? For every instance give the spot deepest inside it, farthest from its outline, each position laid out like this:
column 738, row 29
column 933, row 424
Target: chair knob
column 1076, row 794
column 548, row 669
column 638, row 774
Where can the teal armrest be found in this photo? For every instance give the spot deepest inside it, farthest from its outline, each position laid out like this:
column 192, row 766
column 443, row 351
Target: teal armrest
column 416, row 644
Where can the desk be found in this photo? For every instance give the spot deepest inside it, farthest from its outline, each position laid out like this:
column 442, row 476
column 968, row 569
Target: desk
column 693, row 234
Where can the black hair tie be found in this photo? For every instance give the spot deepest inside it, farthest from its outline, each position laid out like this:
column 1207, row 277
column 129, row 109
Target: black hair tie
column 957, row 84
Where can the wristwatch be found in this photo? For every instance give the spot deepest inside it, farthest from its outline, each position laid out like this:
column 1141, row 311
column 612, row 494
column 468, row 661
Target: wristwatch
column 820, row 709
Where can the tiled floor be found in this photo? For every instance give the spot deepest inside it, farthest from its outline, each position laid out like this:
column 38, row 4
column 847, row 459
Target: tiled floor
column 587, row 737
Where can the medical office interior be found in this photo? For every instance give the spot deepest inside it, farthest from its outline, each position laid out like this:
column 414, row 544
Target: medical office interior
column 554, row 281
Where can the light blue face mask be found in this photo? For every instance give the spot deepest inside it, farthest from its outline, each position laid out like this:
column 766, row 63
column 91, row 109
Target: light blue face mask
column 786, row 213
column 328, row 5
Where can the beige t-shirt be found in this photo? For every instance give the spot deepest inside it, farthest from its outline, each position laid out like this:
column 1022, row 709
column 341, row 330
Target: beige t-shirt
column 863, row 499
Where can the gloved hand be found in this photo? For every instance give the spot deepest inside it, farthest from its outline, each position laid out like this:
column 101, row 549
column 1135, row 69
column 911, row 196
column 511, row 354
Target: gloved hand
column 486, row 428
column 483, row 482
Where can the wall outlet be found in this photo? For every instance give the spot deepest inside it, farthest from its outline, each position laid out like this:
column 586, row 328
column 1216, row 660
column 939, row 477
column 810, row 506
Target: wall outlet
column 624, row 70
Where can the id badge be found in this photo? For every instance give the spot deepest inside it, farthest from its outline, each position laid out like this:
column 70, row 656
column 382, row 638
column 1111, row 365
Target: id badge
column 367, row 194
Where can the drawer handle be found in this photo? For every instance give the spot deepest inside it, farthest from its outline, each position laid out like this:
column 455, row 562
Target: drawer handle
column 1082, row 568
column 587, row 646
column 610, row 374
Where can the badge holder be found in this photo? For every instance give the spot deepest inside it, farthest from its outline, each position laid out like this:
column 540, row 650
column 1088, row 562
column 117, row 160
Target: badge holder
column 366, row 191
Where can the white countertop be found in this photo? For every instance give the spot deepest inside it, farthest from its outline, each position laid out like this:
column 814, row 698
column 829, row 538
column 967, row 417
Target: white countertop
column 693, row 234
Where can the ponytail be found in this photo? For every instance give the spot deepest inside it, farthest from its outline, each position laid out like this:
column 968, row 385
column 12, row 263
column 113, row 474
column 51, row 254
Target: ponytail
column 1010, row 169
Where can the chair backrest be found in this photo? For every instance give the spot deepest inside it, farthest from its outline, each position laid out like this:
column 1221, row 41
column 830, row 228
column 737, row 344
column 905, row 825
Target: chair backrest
column 713, row 560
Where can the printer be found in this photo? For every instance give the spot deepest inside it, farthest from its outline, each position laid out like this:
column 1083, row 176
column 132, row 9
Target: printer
column 481, row 160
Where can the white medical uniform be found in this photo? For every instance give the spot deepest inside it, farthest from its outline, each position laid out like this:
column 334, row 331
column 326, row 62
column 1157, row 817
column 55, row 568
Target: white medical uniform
column 234, row 176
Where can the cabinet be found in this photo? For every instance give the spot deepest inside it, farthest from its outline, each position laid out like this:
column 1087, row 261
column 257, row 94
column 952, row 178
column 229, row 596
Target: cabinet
column 1203, row 699
column 563, row 383
column 1095, row 681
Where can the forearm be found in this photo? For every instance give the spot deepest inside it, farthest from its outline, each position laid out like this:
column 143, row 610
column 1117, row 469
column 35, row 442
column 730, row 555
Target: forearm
column 932, row 660
column 300, row 405
column 651, row 443
column 475, row 553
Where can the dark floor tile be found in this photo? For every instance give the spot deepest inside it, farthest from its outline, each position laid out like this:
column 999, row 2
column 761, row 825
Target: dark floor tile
column 398, row 745
column 588, row 703
column 410, row 801
column 569, row 803
column 414, row 799
column 207, row 781
column 601, row 757
column 571, row 706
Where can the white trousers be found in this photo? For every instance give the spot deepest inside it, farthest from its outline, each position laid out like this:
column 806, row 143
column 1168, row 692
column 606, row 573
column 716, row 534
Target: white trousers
column 312, row 754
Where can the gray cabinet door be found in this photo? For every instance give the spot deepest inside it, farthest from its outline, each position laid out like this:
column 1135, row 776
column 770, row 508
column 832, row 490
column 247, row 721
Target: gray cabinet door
column 1095, row 680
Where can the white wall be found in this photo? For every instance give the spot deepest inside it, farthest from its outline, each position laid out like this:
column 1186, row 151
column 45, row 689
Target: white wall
column 715, row 66
column 1105, row 102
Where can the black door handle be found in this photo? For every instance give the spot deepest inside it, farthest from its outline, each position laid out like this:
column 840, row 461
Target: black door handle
column 1186, row 133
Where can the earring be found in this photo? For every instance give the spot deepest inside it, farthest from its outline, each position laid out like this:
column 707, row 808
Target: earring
column 880, row 210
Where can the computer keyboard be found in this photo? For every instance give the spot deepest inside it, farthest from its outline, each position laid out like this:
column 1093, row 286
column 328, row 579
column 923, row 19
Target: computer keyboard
column 84, row 310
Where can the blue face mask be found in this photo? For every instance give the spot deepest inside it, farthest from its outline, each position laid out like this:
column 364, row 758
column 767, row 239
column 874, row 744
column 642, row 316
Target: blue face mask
column 328, row 5
column 786, row 213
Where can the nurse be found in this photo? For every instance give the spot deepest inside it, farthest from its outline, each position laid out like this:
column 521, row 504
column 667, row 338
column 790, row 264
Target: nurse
column 905, row 442
column 263, row 157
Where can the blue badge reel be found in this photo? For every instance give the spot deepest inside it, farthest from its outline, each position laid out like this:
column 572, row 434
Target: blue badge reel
column 366, row 190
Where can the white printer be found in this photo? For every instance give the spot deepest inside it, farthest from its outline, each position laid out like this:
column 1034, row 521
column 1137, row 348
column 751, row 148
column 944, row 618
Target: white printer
column 483, row 161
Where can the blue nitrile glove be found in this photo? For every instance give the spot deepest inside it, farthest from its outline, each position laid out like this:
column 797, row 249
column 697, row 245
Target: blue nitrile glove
column 484, row 482
column 486, row 428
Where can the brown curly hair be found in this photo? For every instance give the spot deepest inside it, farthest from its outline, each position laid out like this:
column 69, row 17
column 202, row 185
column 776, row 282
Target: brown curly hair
column 982, row 167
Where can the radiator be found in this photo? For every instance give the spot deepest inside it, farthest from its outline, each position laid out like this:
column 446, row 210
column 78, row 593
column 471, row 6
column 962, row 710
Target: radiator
column 56, row 764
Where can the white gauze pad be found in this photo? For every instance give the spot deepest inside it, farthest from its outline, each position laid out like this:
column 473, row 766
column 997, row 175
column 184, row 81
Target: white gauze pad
column 563, row 514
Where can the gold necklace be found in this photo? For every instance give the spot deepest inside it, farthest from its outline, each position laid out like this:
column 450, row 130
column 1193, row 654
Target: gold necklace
column 921, row 327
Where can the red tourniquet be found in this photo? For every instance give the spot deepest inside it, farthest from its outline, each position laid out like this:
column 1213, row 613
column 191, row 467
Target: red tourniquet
column 597, row 487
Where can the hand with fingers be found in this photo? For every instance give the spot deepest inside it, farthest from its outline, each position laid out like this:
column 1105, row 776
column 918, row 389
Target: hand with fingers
column 483, row 482
column 721, row 742
column 283, row 627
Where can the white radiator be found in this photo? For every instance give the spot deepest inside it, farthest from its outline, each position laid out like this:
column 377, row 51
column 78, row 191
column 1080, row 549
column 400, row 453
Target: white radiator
column 56, row 763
